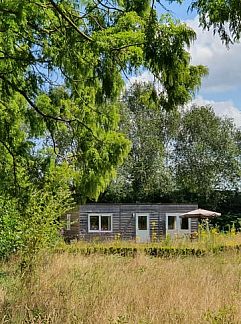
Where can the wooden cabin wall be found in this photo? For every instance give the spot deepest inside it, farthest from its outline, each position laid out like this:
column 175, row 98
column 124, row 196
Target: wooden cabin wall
column 124, row 221
column 179, row 209
column 85, row 210
column 74, row 231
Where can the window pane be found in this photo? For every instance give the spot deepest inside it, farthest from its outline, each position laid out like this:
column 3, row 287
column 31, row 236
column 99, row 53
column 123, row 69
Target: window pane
column 94, row 223
column 184, row 223
column 142, row 223
column 171, row 222
column 106, row 223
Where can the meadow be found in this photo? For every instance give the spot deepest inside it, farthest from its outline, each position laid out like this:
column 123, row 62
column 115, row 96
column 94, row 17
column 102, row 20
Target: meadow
column 68, row 286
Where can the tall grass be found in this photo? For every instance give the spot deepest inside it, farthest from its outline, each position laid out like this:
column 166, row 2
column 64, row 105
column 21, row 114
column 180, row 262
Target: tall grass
column 68, row 288
column 204, row 240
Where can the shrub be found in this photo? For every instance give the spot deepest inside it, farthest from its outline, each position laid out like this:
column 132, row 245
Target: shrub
column 10, row 233
column 30, row 228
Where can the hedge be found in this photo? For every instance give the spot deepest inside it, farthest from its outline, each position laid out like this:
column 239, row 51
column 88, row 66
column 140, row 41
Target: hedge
column 154, row 251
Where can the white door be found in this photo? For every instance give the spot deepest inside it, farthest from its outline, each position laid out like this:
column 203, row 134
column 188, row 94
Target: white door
column 142, row 228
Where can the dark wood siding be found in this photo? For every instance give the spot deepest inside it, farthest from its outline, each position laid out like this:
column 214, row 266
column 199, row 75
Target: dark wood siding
column 74, row 231
column 194, row 225
column 124, row 221
column 89, row 209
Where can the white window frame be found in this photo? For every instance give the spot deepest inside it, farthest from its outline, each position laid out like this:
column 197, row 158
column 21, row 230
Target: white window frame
column 178, row 224
column 148, row 221
column 99, row 230
column 176, row 221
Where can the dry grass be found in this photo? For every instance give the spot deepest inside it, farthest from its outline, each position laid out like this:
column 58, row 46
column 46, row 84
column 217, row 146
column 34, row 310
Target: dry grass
column 110, row 289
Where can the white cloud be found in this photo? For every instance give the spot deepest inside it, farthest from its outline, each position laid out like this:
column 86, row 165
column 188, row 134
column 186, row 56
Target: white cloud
column 222, row 109
column 146, row 76
column 224, row 79
column 224, row 64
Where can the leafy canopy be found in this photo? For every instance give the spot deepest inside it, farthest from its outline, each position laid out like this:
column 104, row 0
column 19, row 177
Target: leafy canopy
column 145, row 175
column 224, row 16
column 207, row 154
column 62, row 70
column 178, row 155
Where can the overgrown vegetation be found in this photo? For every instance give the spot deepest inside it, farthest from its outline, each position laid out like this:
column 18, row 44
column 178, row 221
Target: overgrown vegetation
column 71, row 287
column 62, row 74
column 26, row 230
column 207, row 241
column 181, row 155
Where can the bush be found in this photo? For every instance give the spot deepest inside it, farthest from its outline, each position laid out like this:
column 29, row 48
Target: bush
column 10, row 232
column 30, row 228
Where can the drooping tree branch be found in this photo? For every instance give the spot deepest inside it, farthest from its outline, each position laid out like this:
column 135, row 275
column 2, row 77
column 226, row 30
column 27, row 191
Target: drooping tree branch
column 48, row 116
column 104, row 5
column 126, row 46
column 65, row 17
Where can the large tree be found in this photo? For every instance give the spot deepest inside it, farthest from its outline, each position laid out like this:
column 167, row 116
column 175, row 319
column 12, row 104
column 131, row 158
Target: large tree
column 207, row 154
column 190, row 155
column 62, row 69
column 145, row 175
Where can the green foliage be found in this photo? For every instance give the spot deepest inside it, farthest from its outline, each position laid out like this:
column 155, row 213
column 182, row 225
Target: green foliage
column 178, row 156
column 10, row 240
column 36, row 225
column 145, row 174
column 206, row 153
column 181, row 248
column 178, row 79
column 62, row 71
column 224, row 16
column 167, row 252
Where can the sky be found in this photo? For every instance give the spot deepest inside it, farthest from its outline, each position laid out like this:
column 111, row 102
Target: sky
column 222, row 87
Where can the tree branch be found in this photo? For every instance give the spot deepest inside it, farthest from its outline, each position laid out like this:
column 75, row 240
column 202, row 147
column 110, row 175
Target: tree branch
column 126, row 46
column 63, row 15
column 108, row 7
column 47, row 116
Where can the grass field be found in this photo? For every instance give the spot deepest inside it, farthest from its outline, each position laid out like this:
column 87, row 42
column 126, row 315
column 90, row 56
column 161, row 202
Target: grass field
column 74, row 288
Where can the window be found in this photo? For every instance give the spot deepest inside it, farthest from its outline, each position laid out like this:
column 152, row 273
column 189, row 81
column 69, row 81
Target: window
column 142, row 223
column 105, row 223
column 94, row 223
column 176, row 224
column 68, row 222
column 100, row 223
column 184, row 223
column 171, row 222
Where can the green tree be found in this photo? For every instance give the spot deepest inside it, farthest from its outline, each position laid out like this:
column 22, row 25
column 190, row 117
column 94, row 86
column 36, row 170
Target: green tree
column 63, row 64
column 145, row 175
column 176, row 156
column 62, row 70
column 207, row 154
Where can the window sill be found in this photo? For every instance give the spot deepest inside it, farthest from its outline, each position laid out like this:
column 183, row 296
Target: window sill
column 93, row 231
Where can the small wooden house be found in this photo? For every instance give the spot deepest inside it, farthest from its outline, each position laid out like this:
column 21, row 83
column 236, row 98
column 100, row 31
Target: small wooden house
column 143, row 222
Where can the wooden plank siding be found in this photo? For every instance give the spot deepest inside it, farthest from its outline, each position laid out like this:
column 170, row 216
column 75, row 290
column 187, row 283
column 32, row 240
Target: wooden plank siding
column 124, row 220
column 194, row 225
column 73, row 232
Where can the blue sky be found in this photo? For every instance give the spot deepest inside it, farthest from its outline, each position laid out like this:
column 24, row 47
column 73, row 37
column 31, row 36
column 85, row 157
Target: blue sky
column 222, row 87
column 180, row 11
